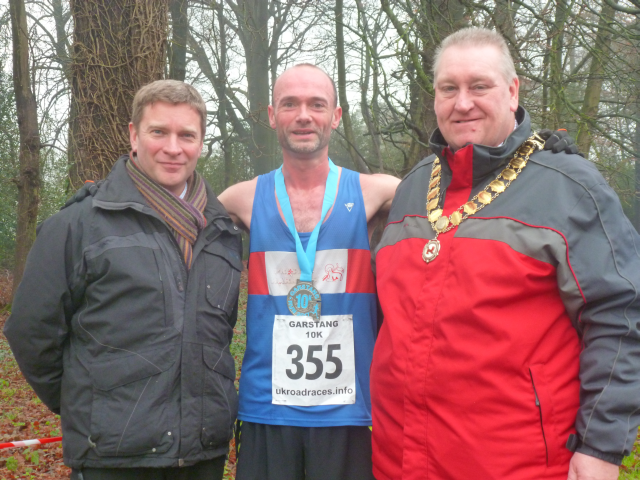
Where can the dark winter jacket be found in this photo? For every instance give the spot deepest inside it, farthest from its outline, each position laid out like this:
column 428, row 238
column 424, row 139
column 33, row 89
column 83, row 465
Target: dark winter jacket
column 520, row 337
column 112, row 331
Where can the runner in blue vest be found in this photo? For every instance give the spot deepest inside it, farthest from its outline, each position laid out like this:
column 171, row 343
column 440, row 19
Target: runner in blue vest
column 311, row 316
column 304, row 407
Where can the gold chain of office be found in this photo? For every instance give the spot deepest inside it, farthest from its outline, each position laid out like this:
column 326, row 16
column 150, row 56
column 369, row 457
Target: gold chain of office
column 442, row 224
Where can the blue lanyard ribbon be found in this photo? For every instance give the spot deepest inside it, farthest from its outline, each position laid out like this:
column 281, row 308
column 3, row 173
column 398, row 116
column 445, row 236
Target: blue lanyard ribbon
column 307, row 258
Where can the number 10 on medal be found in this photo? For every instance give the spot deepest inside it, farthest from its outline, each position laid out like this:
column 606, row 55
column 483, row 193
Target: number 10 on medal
column 303, row 301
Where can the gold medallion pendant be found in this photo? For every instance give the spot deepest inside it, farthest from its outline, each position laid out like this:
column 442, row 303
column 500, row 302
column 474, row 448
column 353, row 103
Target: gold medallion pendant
column 442, row 224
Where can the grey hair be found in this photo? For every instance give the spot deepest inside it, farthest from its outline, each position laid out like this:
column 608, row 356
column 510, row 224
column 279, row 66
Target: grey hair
column 477, row 37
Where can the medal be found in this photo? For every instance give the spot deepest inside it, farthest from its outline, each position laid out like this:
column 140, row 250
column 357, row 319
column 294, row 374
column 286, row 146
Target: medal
column 304, row 299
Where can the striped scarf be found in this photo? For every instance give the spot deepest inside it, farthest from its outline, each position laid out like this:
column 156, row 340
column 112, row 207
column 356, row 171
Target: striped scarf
column 184, row 217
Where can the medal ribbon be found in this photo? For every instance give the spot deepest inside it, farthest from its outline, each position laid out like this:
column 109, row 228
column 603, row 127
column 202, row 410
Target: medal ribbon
column 307, row 258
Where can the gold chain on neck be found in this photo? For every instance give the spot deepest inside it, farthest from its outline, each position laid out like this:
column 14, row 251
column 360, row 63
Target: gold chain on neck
column 442, row 224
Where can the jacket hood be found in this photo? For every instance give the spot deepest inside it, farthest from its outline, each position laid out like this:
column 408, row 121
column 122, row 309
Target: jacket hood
column 487, row 159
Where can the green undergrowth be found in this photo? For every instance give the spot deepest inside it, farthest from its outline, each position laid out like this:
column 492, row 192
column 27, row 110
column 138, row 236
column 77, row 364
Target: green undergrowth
column 630, row 469
column 237, row 349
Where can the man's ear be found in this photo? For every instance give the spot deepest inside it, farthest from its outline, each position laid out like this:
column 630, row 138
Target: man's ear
column 513, row 94
column 133, row 137
column 337, row 115
column 272, row 116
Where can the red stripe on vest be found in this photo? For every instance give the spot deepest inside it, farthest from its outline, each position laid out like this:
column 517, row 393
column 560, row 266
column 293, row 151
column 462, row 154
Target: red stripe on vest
column 359, row 275
column 258, row 274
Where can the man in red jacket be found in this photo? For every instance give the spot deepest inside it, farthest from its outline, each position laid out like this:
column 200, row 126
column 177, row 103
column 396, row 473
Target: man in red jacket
column 509, row 285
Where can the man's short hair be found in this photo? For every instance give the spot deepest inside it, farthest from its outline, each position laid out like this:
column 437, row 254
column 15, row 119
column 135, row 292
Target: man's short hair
column 311, row 65
column 168, row 91
column 477, row 37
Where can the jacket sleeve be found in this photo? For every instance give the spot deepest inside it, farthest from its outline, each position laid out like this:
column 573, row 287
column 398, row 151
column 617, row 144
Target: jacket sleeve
column 604, row 255
column 43, row 306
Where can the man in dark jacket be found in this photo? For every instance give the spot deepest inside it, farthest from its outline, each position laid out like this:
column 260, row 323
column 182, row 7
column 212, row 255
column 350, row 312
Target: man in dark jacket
column 510, row 336
column 123, row 319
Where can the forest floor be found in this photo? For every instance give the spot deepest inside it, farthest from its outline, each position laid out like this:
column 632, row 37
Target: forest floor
column 24, row 417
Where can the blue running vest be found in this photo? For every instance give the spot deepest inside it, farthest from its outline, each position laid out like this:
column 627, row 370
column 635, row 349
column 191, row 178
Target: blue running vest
column 342, row 273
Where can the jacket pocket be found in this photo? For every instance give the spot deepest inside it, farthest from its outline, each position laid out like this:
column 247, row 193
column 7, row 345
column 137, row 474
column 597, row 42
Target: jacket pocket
column 220, row 399
column 131, row 412
column 544, row 402
column 223, row 267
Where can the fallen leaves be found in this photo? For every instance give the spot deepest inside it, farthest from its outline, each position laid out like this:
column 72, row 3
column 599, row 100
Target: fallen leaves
column 24, row 417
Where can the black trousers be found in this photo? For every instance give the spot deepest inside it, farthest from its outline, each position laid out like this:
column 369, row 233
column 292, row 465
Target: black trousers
column 206, row 470
column 273, row 452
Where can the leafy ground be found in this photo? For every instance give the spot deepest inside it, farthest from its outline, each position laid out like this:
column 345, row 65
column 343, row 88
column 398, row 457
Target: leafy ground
column 23, row 416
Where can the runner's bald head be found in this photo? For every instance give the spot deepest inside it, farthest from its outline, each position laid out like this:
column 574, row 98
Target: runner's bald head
column 315, row 67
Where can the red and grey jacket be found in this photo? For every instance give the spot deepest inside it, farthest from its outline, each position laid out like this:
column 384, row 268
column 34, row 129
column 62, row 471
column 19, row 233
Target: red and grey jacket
column 521, row 338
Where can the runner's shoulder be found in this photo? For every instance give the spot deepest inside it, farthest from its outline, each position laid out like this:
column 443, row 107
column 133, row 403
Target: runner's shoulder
column 377, row 181
column 240, row 192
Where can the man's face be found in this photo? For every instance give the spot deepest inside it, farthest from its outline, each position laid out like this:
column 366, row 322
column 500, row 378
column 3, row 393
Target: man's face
column 168, row 142
column 473, row 102
column 303, row 112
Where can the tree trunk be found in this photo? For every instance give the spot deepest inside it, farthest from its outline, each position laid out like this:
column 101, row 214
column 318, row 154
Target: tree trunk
column 636, row 149
column 28, row 181
column 593, row 89
column 546, row 115
column 557, row 107
column 636, row 140
column 223, row 103
column 358, row 162
column 119, row 46
column 61, row 45
column 180, row 33
column 504, row 15
column 370, row 71
column 366, row 109
column 253, row 22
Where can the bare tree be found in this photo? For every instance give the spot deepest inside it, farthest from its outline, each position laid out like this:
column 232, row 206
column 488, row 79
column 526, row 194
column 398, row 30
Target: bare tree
column 253, row 31
column 224, row 105
column 356, row 158
column 242, row 81
column 28, row 181
column 179, row 36
column 421, row 28
column 369, row 78
column 593, row 89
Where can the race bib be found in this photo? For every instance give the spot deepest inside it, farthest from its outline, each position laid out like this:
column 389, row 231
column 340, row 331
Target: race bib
column 313, row 362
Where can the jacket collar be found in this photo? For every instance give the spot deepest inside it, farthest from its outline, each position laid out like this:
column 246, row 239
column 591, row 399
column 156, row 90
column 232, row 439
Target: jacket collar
column 486, row 159
column 119, row 192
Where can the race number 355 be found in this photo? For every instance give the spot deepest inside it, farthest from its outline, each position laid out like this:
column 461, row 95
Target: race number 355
column 312, row 350
column 313, row 362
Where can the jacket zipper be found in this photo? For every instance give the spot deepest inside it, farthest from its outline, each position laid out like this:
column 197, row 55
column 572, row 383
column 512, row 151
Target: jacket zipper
column 544, row 438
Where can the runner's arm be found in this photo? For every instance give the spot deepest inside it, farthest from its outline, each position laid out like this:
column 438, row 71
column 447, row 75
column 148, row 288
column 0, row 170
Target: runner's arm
column 238, row 200
column 378, row 191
